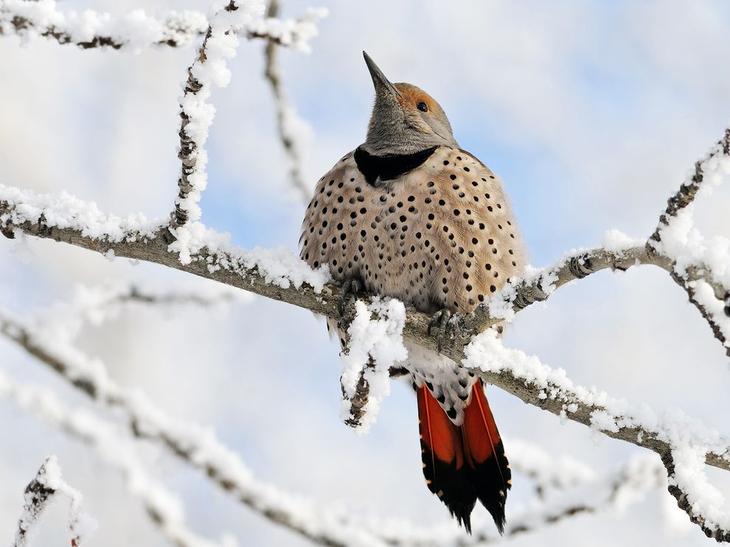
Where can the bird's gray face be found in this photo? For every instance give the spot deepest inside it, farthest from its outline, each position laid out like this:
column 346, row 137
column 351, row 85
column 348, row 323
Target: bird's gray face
column 405, row 118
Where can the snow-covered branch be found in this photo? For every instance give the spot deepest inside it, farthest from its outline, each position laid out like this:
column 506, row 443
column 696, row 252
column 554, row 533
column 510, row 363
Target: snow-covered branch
column 587, row 494
column 164, row 508
column 196, row 112
column 137, row 30
column 195, row 445
column 47, row 483
column 701, row 268
column 267, row 274
column 562, row 485
column 283, row 277
column 288, row 122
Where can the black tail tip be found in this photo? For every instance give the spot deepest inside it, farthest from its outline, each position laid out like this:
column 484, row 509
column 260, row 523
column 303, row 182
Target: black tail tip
column 463, row 517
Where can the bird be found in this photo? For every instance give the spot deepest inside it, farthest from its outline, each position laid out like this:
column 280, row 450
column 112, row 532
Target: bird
column 410, row 215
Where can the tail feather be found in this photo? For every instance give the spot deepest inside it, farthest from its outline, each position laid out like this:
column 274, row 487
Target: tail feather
column 488, row 465
column 464, row 463
column 443, row 459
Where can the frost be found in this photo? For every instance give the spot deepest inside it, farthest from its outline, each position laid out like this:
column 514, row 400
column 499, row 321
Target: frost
column 48, row 483
column 616, row 241
column 704, row 498
column 278, row 266
column 603, row 421
column 486, row 353
column 65, row 211
column 546, row 470
column 705, row 296
column 136, row 30
column 374, row 346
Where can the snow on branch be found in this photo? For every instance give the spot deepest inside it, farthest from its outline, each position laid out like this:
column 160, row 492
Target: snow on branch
column 613, row 491
column 294, row 283
column 137, row 30
column 574, row 492
column 547, row 473
column 372, row 349
column 196, row 112
column 701, row 266
column 193, row 444
column 200, row 448
column 211, row 255
column 290, row 126
column 163, row 508
column 44, row 487
column 701, row 269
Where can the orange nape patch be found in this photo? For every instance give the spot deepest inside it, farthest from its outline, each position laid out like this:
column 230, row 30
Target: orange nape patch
column 410, row 96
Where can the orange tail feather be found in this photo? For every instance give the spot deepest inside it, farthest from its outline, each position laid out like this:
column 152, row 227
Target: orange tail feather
column 464, row 463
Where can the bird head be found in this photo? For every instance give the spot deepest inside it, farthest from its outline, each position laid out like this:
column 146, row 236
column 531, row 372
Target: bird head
column 405, row 118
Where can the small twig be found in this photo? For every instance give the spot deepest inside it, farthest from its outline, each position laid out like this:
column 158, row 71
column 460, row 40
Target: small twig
column 689, row 188
column 284, row 112
column 37, row 496
column 358, row 402
column 192, row 444
column 162, row 507
column 174, row 30
column 711, row 531
column 192, row 154
column 39, row 492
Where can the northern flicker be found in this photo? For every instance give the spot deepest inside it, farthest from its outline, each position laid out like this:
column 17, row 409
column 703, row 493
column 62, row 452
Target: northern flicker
column 410, row 215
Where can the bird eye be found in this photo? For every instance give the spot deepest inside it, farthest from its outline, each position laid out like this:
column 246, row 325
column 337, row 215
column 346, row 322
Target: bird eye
column 423, row 107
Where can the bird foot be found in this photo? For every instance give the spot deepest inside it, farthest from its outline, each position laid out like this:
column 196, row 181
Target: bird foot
column 351, row 289
column 440, row 323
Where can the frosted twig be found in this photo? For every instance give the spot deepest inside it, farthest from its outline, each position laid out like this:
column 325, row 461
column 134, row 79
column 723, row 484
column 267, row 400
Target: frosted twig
column 284, row 113
column 372, row 346
column 73, row 222
column 196, row 113
column 134, row 294
column 689, row 188
column 39, row 492
column 193, row 444
column 162, row 507
column 676, row 238
column 629, row 483
column 548, row 474
column 704, row 504
column 135, row 30
column 37, row 496
column 613, row 491
column 356, row 403
column 203, row 252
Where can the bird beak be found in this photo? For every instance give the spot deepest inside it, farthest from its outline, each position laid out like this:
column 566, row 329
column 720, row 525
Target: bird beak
column 381, row 83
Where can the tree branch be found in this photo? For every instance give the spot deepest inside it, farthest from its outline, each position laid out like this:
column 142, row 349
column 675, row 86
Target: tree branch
column 295, row 284
column 194, row 445
column 163, row 508
column 565, row 488
column 91, row 30
column 39, row 492
column 197, row 250
column 284, row 113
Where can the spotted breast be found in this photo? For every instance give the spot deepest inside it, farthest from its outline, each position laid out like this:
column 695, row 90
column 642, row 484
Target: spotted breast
column 441, row 236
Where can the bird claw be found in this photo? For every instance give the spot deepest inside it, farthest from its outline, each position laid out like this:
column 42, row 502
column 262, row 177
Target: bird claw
column 440, row 322
column 350, row 291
